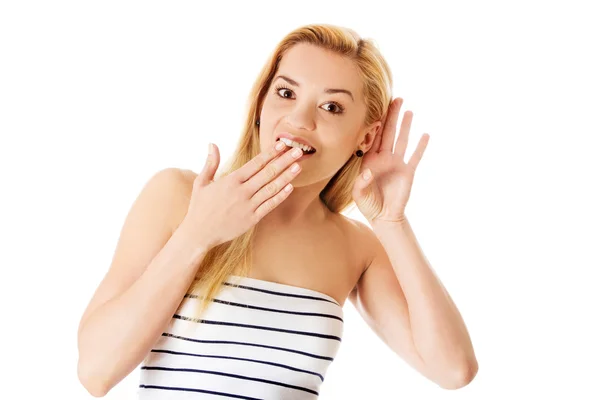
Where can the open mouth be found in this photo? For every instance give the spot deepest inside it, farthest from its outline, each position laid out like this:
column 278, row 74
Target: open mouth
column 311, row 151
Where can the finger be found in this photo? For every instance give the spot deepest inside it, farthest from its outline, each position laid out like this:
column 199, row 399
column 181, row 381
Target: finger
column 418, row 154
column 402, row 141
column 249, row 169
column 389, row 131
column 272, row 203
column 210, row 166
column 274, row 187
column 271, row 171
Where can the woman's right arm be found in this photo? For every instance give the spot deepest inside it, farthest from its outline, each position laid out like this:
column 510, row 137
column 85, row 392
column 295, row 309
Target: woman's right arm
column 160, row 249
column 154, row 264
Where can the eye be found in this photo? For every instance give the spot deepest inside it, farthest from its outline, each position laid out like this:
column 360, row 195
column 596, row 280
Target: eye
column 332, row 107
column 337, row 109
column 280, row 89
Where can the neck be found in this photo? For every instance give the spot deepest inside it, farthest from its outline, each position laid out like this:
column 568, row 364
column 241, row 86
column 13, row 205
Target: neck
column 302, row 206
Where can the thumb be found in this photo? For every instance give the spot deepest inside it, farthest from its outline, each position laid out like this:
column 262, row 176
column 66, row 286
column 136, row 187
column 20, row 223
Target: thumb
column 210, row 166
column 361, row 186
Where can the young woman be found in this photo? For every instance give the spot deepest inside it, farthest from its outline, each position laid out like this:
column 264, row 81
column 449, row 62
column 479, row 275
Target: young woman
column 234, row 286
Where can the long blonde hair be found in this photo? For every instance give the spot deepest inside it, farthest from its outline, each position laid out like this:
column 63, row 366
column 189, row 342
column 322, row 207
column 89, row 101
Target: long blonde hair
column 234, row 257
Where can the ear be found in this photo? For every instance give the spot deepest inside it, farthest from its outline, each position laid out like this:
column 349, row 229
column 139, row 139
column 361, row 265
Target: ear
column 369, row 135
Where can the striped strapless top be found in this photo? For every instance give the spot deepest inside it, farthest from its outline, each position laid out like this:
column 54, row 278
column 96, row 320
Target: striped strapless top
column 258, row 340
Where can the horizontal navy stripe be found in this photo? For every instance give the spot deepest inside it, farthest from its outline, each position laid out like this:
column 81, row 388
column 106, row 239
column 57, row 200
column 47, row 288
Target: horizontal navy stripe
column 248, row 344
column 204, row 371
column 199, row 391
column 231, row 303
column 242, row 359
column 300, row 296
column 267, row 328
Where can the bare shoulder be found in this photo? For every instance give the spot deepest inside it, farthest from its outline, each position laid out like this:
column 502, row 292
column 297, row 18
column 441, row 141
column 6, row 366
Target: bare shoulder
column 170, row 188
column 182, row 183
column 361, row 239
column 151, row 220
column 188, row 176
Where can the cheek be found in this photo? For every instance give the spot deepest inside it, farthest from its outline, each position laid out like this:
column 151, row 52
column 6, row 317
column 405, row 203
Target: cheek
column 269, row 101
column 337, row 138
column 336, row 154
column 272, row 104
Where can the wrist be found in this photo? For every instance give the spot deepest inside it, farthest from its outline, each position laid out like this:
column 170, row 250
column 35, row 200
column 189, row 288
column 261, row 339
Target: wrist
column 383, row 224
column 195, row 236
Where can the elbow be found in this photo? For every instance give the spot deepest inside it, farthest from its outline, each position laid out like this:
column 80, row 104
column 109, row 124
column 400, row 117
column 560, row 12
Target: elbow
column 91, row 382
column 462, row 377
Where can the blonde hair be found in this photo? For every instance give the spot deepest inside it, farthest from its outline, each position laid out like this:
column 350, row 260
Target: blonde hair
column 234, row 257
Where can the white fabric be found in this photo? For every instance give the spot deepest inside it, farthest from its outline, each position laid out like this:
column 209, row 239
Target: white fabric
column 279, row 350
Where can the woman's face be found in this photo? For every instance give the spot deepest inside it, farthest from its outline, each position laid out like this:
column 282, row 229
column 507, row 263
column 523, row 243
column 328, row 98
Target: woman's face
column 317, row 96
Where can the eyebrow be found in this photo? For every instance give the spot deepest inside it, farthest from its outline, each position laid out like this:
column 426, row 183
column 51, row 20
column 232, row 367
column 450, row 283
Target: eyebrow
column 332, row 91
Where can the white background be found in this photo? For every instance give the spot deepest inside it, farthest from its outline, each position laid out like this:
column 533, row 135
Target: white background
column 95, row 97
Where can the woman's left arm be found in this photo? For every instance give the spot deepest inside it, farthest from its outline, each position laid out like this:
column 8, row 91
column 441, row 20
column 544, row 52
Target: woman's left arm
column 438, row 330
column 398, row 294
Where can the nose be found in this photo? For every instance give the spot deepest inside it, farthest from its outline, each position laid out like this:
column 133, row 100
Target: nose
column 302, row 117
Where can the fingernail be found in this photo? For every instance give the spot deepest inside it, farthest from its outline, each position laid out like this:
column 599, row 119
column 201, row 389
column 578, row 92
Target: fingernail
column 210, row 148
column 297, row 152
column 367, row 174
column 279, row 146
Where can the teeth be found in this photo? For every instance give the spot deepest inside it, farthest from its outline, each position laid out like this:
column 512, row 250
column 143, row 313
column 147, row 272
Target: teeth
column 291, row 143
